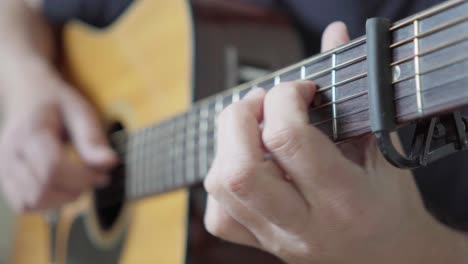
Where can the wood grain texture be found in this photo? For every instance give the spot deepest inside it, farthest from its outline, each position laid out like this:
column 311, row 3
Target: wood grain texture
column 137, row 71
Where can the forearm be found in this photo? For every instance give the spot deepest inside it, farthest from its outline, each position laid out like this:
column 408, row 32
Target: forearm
column 26, row 40
column 23, row 29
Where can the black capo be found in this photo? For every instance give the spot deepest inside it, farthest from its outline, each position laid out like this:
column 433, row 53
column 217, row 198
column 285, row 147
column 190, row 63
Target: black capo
column 434, row 138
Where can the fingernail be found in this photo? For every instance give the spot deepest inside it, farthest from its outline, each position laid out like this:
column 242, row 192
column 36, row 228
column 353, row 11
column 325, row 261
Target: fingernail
column 254, row 92
column 104, row 153
column 308, row 90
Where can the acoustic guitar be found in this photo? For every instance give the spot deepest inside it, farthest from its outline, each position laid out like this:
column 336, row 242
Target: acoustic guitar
column 143, row 91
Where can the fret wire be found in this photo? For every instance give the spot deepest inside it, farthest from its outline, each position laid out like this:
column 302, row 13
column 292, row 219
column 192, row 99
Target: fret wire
column 153, row 166
column 212, row 132
column 277, row 80
column 430, row 32
column 303, row 72
column 152, row 161
column 336, row 67
column 357, row 111
column 200, row 177
column 356, row 129
column 363, row 109
column 364, row 92
column 179, row 143
column 417, row 75
column 363, row 57
column 167, row 164
column 344, row 99
column 426, row 13
column 219, row 104
column 437, row 48
column 235, row 96
column 138, row 167
column 158, row 162
column 203, row 129
column 218, row 108
column 132, row 142
column 335, row 123
column 302, row 67
column 339, row 49
column 343, row 82
column 146, row 179
column 190, row 158
column 129, row 167
column 417, row 68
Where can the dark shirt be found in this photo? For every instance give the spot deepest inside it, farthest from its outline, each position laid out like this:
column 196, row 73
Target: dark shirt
column 99, row 13
column 443, row 184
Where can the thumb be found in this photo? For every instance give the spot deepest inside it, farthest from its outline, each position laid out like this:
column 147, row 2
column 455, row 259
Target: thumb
column 334, row 35
column 86, row 132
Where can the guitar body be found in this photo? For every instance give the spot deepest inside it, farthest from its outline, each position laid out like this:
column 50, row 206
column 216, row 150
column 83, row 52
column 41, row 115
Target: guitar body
column 137, row 71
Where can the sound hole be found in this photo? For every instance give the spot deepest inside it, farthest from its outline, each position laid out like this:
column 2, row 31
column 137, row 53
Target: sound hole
column 109, row 201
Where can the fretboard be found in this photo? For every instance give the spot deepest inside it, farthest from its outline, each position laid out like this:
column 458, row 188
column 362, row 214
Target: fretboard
column 430, row 76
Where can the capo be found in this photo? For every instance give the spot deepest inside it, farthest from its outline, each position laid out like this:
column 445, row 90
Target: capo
column 434, row 139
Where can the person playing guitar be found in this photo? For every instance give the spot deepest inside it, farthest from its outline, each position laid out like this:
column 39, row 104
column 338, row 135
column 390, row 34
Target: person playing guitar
column 307, row 201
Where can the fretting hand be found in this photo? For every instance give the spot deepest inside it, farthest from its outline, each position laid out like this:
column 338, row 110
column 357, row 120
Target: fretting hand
column 314, row 202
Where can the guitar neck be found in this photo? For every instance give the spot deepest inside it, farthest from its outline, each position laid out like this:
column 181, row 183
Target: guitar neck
column 430, row 76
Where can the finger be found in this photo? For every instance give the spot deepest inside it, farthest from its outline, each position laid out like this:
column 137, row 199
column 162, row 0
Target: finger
column 57, row 166
column 219, row 223
column 240, row 121
column 53, row 199
column 241, row 171
column 17, row 187
column 86, row 133
column 304, row 152
column 334, row 35
column 73, row 177
column 24, row 190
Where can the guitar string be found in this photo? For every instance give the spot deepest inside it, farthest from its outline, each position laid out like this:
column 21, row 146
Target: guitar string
column 119, row 136
column 358, row 59
column 335, row 102
column 177, row 163
column 409, row 58
column 402, row 43
column 325, row 55
column 406, row 41
column 363, row 74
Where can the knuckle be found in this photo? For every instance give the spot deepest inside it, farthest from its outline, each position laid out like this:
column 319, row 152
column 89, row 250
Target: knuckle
column 285, row 141
column 213, row 224
column 238, row 180
column 51, row 166
column 233, row 112
column 210, row 184
column 217, row 224
column 285, row 89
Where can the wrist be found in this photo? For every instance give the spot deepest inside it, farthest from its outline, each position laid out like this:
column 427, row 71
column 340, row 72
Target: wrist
column 434, row 243
column 19, row 76
column 445, row 245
